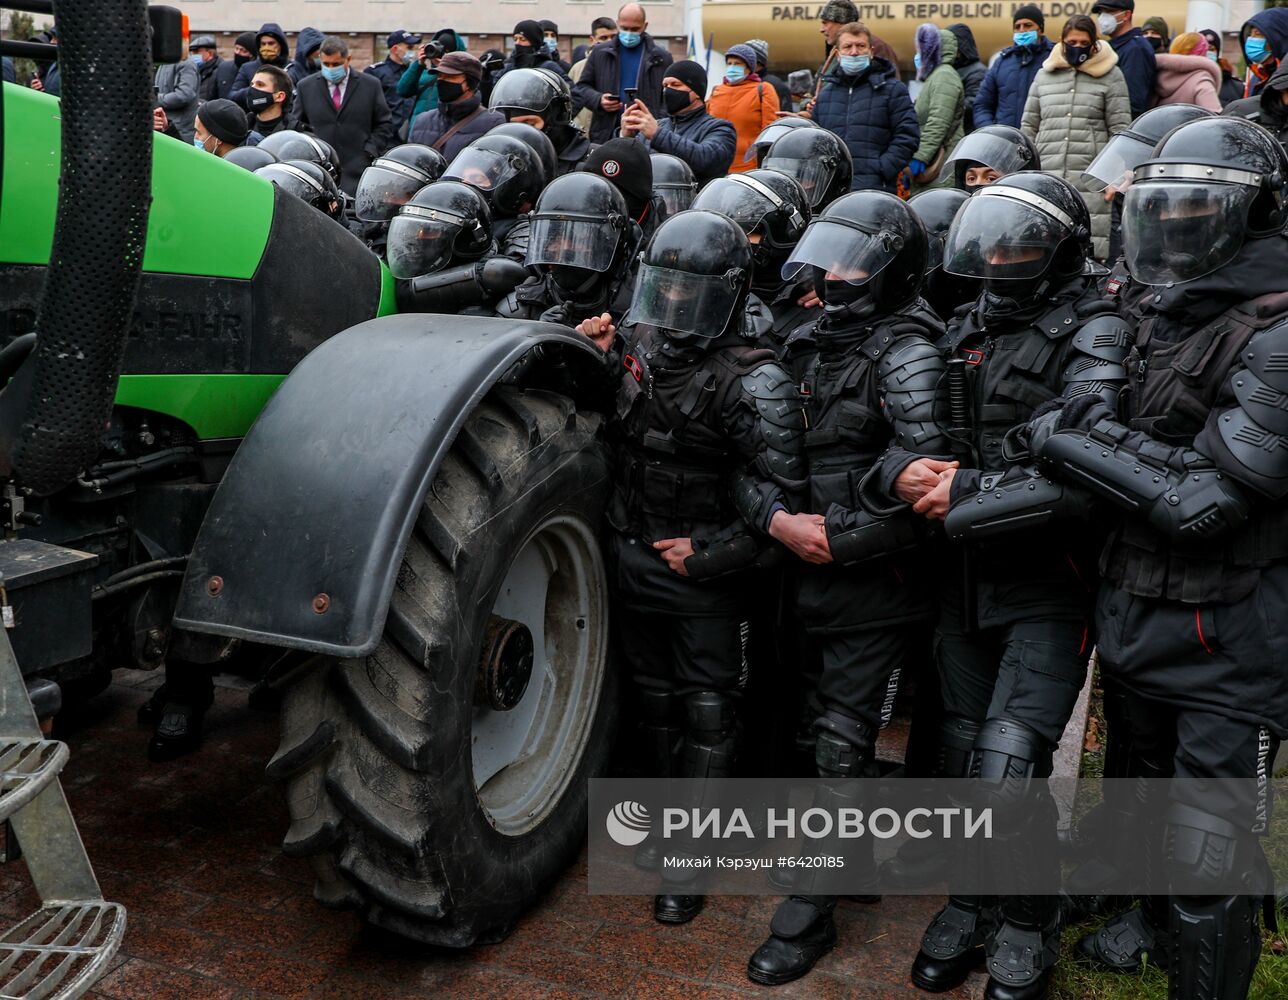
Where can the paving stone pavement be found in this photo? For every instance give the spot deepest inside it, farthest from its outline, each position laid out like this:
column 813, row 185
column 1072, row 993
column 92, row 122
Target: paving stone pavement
column 216, row 911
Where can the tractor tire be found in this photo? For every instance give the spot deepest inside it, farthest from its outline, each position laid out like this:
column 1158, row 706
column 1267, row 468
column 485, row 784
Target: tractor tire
column 436, row 798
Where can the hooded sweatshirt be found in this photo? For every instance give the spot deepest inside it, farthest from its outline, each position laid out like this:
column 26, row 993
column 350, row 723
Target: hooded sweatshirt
column 1272, row 23
column 1267, row 109
column 969, row 68
column 1188, row 80
column 310, row 41
column 248, row 71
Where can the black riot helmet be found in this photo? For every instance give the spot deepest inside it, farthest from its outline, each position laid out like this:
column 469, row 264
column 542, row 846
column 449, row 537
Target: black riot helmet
column 673, row 184
column 1000, row 148
column 539, row 92
column 578, row 231
column 1212, row 185
column 250, row 157
column 535, row 139
column 388, row 184
column 291, row 145
column 818, row 159
column 505, row 170
column 693, row 277
column 868, row 252
column 1115, row 165
column 937, row 208
column 445, row 222
column 1020, row 234
column 773, row 131
column 772, row 210
column 307, row 181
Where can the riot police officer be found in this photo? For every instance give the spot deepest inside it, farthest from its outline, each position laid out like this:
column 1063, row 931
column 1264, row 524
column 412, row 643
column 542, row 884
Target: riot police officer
column 708, row 434
column 772, row 210
column 442, row 254
column 674, row 185
column 990, row 153
column 307, row 181
column 387, row 185
column 506, row 171
column 869, row 371
column 291, row 145
column 1013, row 636
column 543, row 100
column 817, row 159
column 581, row 244
column 1196, row 571
column 944, row 292
column 775, row 130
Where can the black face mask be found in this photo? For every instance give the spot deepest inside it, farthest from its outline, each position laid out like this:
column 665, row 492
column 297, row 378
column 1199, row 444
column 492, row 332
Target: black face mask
column 842, row 300
column 449, row 92
column 675, row 100
column 258, row 100
column 1076, row 55
column 1155, row 41
column 240, row 61
column 573, row 280
column 524, row 55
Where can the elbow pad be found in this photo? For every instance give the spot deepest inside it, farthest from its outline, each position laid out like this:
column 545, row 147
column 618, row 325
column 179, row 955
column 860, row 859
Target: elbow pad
column 857, row 536
column 461, row 287
column 727, row 554
column 1013, row 501
column 1178, row 491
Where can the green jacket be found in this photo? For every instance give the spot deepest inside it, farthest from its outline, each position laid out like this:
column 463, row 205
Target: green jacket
column 418, row 82
column 941, row 109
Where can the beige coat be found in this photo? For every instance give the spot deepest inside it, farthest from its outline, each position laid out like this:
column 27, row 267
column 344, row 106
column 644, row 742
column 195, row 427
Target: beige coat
column 1070, row 115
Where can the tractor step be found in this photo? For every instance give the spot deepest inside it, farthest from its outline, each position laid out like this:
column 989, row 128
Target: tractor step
column 59, row 951
column 26, row 768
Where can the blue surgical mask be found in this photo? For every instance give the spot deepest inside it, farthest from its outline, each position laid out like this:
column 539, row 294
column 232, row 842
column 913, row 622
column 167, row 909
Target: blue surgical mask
column 195, row 59
column 854, row 65
column 916, row 61
column 735, row 74
column 552, row 45
column 1212, row 54
column 199, row 143
column 629, row 38
column 332, row 74
column 1256, row 50
column 1023, row 38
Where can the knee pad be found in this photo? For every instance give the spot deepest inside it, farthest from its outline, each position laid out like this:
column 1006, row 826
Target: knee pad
column 1008, row 757
column 957, row 736
column 709, row 716
column 1205, row 854
column 657, row 707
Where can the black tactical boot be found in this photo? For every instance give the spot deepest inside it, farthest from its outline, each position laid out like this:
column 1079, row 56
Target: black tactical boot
column 953, row 945
column 177, row 733
column 1123, row 942
column 1024, row 948
column 674, row 908
column 801, row 932
column 178, row 708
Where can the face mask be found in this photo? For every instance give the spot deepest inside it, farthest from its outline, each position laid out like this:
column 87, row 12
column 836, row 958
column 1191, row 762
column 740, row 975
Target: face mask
column 1023, row 38
column 199, row 143
column 1256, row 50
column 853, row 65
column 1212, row 54
column 629, row 38
column 552, row 45
column 240, row 61
column 258, row 100
column 573, row 280
column 409, row 57
column 449, row 92
column 1155, row 41
column 333, row 74
column 1076, row 55
column 735, row 74
column 675, row 100
column 266, row 57
column 1107, row 23
column 196, row 59
column 916, row 62
column 523, row 55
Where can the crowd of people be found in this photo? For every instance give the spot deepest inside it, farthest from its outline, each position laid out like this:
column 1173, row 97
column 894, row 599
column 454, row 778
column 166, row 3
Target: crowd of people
column 993, row 356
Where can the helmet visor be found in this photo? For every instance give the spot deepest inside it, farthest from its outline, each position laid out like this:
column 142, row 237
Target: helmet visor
column 845, row 251
column 768, row 135
column 293, row 181
column 1113, row 166
column 696, row 305
column 1001, row 238
column 813, row 175
column 421, row 241
column 676, row 197
column 992, row 151
column 483, row 169
column 738, row 202
column 571, row 241
column 1179, row 230
column 383, row 189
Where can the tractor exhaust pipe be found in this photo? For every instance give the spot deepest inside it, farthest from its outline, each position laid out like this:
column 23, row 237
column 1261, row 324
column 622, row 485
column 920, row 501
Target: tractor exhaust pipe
column 54, row 412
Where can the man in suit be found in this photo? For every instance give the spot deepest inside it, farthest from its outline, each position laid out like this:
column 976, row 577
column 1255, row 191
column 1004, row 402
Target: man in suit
column 346, row 109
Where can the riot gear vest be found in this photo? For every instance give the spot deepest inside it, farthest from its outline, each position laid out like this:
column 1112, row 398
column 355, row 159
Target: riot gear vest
column 1172, row 389
column 675, row 458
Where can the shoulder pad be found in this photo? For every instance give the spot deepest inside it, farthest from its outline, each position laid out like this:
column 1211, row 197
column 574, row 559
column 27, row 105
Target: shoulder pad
column 1266, row 356
column 910, row 363
column 509, row 308
column 1108, row 337
column 773, row 394
column 1248, row 452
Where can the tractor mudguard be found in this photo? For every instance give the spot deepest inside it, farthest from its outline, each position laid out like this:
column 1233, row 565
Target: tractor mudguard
column 303, row 540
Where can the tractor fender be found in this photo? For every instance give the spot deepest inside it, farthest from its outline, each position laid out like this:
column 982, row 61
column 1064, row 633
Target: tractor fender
column 303, row 540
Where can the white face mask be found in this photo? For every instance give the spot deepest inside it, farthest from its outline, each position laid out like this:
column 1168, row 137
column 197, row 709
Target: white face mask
column 1108, row 23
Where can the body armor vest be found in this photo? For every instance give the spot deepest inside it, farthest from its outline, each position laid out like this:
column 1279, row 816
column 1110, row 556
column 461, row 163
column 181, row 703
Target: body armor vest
column 675, row 460
column 1172, row 389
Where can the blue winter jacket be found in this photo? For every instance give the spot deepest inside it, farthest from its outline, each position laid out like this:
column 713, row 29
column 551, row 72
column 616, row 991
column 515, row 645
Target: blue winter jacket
column 701, row 140
column 874, row 117
column 1139, row 68
column 1001, row 96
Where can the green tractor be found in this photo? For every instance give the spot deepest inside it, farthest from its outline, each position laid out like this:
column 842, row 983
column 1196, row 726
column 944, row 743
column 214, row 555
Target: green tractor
column 219, row 442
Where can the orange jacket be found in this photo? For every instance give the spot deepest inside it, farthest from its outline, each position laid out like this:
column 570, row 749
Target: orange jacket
column 749, row 107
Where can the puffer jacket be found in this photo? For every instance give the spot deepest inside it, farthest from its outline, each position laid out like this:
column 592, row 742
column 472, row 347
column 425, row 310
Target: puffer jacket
column 873, row 115
column 748, row 106
column 941, row 106
column 1187, row 80
column 1001, row 96
column 1267, row 109
column 1070, row 115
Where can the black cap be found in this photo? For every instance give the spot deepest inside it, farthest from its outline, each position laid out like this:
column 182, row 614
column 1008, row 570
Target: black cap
column 402, row 38
column 547, row 25
column 531, row 30
column 1100, row 5
column 690, row 74
column 625, row 163
column 1030, row 12
column 224, row 120
column 248, row 40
